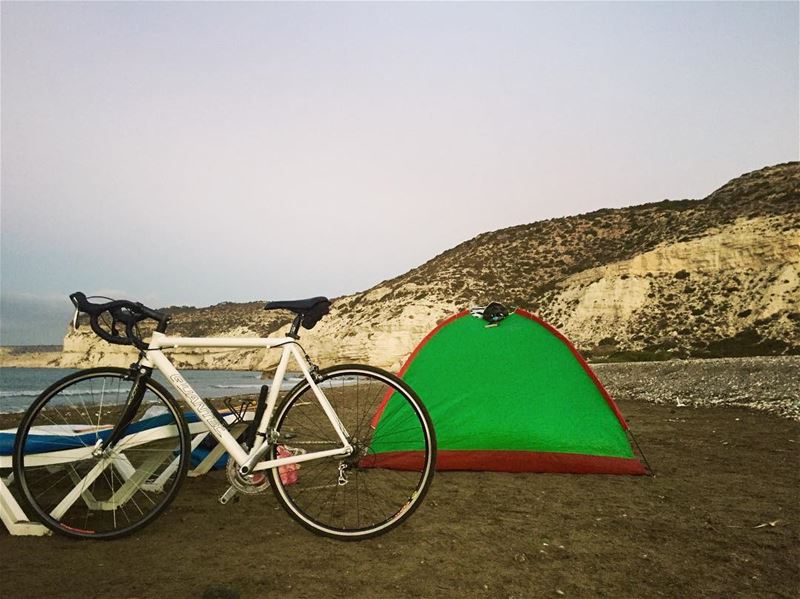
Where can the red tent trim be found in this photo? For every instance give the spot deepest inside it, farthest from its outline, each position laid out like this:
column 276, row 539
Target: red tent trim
column 402, row 371
column 612, row 404
column 427, row 338
column 508, row 461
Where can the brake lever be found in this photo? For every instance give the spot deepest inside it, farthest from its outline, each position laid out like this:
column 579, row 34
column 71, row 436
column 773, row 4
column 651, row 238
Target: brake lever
column 114, row 321
column 75, row 324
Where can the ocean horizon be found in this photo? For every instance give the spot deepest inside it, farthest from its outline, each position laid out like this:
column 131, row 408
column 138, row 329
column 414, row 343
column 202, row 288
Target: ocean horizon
column 19, row 387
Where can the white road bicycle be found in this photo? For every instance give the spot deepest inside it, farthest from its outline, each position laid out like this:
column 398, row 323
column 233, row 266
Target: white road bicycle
column 349, row 451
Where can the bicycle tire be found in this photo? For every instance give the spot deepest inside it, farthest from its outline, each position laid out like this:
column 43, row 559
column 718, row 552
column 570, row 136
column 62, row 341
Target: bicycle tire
column 356, row 497
column 82, row 496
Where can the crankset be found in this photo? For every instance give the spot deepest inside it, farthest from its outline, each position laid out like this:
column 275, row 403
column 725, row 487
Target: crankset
column 249, row 484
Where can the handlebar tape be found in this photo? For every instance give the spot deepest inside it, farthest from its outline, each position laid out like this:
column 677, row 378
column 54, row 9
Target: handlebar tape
column 123, row 311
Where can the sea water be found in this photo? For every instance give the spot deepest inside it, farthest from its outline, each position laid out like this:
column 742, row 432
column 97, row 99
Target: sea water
column 19, row 387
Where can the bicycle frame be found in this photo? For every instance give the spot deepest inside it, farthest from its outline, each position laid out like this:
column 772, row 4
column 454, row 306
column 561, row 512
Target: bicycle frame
column 248, row 462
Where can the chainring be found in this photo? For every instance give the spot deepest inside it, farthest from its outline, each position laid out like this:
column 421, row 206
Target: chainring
column 251, row 484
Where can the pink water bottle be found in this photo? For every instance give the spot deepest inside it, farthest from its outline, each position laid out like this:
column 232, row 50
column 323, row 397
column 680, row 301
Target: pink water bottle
column 288, row 473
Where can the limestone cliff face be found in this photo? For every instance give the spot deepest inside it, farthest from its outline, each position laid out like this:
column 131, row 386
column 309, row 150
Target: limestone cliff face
column 335, row 340
column 83, row 349
column 28, row 359
column 738, row 277
column 709, row 277
column 338, row 339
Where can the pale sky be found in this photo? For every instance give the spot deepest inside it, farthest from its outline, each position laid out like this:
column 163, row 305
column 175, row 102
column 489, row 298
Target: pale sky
column 192, row 153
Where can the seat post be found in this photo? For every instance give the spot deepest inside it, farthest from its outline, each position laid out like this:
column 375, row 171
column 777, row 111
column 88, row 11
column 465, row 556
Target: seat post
column 294, row 332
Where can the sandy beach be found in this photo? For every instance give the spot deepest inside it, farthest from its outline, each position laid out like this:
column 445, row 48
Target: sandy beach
column 720, row 518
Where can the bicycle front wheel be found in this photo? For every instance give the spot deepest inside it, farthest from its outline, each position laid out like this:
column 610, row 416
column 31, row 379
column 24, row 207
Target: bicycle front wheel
column 386, row 477
column 80, row 494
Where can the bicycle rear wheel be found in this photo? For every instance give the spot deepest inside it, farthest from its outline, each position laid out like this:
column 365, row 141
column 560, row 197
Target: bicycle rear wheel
column 387, row 476
column 81, row 495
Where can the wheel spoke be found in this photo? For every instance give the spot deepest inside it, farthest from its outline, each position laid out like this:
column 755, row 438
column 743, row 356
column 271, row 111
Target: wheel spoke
column 366, row 500
column 87, row 498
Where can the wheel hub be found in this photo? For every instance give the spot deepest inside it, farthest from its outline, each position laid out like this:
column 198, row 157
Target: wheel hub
column 360, row 450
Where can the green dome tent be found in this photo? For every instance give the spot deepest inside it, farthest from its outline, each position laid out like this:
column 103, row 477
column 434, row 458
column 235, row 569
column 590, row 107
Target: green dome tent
column 513, row 397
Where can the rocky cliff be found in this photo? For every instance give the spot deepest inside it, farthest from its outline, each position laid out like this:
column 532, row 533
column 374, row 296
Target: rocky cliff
column 83, row 348
column 712, row 277
column 30, row 357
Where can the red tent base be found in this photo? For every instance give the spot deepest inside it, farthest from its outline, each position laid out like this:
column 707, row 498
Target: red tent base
column 509, row 461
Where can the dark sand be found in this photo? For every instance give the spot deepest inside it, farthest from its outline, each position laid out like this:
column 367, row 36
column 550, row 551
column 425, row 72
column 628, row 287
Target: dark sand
column 697, row 529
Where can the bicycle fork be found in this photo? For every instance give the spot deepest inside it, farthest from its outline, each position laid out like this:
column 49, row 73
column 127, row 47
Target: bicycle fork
column 141, row 376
